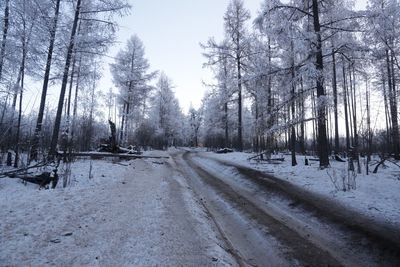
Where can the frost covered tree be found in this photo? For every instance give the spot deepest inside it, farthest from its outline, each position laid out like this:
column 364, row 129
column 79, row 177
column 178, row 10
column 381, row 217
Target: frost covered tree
column 21, row 57
column 103, row 13
column 195, row 118
column 235, row 20
column 222, row 66
column 234, row 49
column 215, row 121
column 5, row 25
column 383, row 35
column 52, row 37
column 306, row 31
column 166, row 115
column 131, row 76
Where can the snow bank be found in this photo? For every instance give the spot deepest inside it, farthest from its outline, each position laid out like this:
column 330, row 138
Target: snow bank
column 377, row 195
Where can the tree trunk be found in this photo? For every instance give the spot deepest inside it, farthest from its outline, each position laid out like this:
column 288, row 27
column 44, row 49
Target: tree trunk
column 240, row 138
column 387, row 115
column 354, row 108
column 226, row 124
column 5, row 32
column 346, row 115
column 19, row 87
column 56, row 130
column 393, row 108
column 293, row 110
column 226, row 103
column 20, row 105
column 125, row 136
column 38, row 129
column 335, row 102
column 74, row 113
column 269, row 101
column 314, row 122
column 321, row 107
column 121, row 134
column 302, row 123
column 256, row 143
column 395, row 122
column 369, row 134
column 71, row 83
column 3, row 113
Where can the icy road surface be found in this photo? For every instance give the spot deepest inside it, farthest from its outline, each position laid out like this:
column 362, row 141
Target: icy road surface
column 189, row 210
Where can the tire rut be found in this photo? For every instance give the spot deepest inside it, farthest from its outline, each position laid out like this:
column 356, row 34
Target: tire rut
column 381, row 235
column 376, row 241
column 297, row 247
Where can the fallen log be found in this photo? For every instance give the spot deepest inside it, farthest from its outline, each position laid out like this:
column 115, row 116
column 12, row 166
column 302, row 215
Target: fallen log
column 337, row 158
column 224, row 150
column 43, row 179
column 276, row 159
column 265, row 155
column 15, row 171
column 108, row 154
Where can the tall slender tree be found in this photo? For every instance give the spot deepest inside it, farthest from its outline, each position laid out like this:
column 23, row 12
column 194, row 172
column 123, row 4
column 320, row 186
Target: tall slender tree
column 57, row 123
column 38, row 128
column 235, row 20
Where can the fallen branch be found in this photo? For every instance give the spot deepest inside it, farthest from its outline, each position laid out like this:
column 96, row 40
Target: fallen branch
column 260, row 155
column 395, row 163
column 14, row 172
column 42, row 179
column 107, row 154
column 379, row 164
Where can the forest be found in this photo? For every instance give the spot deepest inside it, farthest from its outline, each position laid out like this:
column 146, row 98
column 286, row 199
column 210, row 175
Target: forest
column 289, row 156
column 310, row 77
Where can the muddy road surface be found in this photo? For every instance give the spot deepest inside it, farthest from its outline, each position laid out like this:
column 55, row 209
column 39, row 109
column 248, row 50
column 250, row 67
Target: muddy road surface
column 265, row 221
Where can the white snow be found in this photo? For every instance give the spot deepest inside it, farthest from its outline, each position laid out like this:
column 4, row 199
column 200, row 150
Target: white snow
column 143, row 212
column 130, row 213
column 376, row 195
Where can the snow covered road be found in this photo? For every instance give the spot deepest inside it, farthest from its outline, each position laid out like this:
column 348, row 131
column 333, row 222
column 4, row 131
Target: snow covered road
column 143, row 215
column 190, row 210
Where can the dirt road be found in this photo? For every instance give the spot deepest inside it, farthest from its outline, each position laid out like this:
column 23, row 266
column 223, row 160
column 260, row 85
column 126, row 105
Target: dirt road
column 266, row 222
column 189, row 210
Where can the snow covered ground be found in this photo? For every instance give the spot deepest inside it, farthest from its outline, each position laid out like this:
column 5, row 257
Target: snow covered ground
column 121, row 213
column 376, row 195
column 144, row 213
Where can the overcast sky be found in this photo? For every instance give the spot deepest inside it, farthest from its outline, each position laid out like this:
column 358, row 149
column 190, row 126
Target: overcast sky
column 171, row 32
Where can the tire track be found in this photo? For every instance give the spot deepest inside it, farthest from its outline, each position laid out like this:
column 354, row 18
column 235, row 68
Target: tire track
column 352, row 240
column 294, row 248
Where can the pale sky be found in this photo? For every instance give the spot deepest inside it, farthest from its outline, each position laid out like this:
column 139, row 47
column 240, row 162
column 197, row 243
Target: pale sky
column 171, row 32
